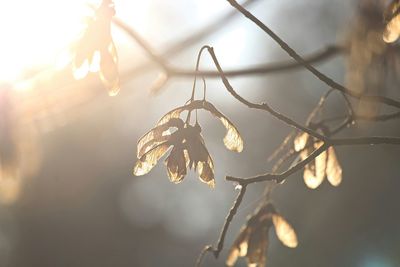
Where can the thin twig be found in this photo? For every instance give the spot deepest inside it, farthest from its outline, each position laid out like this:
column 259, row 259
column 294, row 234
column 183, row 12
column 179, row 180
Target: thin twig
column 220, row 244
column 263, row 106
column 374, row 140
column 292, row 53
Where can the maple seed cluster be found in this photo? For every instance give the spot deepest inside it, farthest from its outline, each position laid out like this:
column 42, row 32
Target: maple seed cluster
column 325, row 165
column 252, row 241
column 392, row 18
column 95, row 50
column 187, row 143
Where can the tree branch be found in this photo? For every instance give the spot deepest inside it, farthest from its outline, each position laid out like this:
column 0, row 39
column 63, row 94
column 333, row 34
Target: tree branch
column 220, row 244
column 374, row 140
column 292, row 53
column 263, row 106
column 316, row 57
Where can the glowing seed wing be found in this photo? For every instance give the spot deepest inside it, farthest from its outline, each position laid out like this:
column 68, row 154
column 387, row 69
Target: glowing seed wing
column 94, row 62
column 310, row 179
column 206, row 172
column 333, row 169
column 284, row 231
column 392, row 29
column 232, row 257
column 239, row 247
column 176, row 165
column 108, row 73
column 175, row 113
column 300, row 141
column 198, row 156
column 314, row 173
column 80, row 60
column 232, row 140
column 150, row 159
column 157, row 135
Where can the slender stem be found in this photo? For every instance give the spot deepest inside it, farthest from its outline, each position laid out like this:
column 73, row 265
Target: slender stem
column 196, row 71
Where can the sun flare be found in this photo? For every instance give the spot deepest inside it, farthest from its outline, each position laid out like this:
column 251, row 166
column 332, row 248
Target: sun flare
column 35, row 33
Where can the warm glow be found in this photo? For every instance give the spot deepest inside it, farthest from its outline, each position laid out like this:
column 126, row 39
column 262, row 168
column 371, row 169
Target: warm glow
column 285, row 231
column 36, row 33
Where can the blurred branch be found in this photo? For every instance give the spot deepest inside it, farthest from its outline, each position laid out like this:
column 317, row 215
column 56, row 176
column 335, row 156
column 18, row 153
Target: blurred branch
column 146, row 47
column 316, row 57
column 204, row 32
column 292, row 53
column 185, row 42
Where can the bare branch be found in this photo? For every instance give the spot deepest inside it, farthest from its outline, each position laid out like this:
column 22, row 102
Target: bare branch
column 220, row 244
column 374, row 140
column 263, row 106
column 292, row 53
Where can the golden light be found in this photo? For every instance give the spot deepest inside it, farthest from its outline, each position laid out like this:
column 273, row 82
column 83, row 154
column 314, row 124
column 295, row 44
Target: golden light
column 35, row 33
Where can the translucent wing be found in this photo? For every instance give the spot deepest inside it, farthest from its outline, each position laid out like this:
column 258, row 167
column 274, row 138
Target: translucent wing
column 175, row 113
column 206, row 172
column 150, row 159
column 314, row 172
column 333, row 169
column 284, row 231
column 300, row 141
column 239, row 247
column 232, row 140
column 392, row 16
column 176, row 165
column 157, row 135
column 109, row 69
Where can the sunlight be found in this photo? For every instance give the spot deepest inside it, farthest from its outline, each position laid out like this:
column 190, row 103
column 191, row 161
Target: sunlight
column 35, row 33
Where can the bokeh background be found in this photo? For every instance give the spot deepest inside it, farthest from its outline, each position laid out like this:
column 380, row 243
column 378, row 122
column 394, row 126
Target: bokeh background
column 83, row 207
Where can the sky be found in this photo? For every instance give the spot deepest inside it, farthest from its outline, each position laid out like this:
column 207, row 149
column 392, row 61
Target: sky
column 84, row 207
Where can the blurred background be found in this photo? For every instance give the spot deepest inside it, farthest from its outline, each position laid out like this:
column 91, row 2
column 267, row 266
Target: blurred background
column 73, row 200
